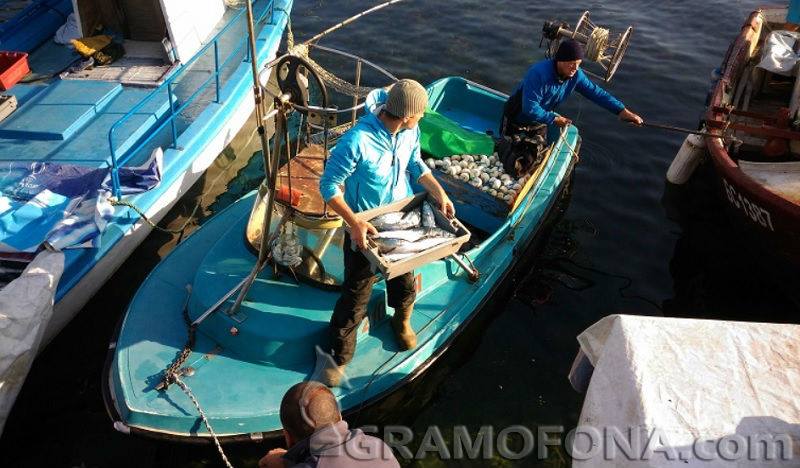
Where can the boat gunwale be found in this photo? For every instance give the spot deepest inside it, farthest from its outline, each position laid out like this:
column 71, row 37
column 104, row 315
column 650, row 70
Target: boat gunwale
column 534, row 237
column 721, row 158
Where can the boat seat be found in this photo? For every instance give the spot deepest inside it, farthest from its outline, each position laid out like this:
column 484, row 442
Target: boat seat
column 780, row 178
column 302, row 173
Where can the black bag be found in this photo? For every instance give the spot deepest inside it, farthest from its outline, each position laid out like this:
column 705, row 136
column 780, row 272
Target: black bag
column 521, row 147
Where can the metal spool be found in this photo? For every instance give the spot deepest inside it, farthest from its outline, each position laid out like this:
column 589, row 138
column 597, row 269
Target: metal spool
column 602, row 46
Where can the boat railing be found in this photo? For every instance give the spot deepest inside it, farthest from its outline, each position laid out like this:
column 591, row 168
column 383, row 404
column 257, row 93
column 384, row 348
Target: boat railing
column 168, row 87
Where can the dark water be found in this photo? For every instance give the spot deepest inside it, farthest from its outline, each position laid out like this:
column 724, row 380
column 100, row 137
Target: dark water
column 619, row 248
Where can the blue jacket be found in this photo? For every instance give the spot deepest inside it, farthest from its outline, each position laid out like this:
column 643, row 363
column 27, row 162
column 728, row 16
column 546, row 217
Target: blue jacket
column 373, row 165
column 543, row 90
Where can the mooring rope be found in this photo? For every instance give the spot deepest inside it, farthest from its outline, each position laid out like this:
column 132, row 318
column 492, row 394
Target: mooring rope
column 203, row 416
column 146, row 219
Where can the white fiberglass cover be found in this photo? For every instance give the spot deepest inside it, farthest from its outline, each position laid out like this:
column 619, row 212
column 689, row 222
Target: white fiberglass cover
column 699, row 394
column 26, row 306
column 190, row 23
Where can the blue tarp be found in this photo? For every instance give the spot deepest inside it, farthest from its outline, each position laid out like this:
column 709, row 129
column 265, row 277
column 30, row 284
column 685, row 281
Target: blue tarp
column 794, row 12
column 66, row 205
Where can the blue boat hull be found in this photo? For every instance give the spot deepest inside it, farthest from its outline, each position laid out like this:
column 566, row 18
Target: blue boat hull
column 210, row 127
column 238, row 378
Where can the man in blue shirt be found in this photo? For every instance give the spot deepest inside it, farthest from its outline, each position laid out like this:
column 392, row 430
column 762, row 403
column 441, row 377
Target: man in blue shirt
column 549, row 83
column 375, row 161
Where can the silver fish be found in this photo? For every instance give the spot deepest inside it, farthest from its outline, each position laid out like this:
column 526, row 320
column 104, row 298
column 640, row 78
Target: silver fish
column 419, row 246
column 413, row 240
column 397, row 257
column 410, row 235
column 396, row 221
column 428, row 219
column 389, row 244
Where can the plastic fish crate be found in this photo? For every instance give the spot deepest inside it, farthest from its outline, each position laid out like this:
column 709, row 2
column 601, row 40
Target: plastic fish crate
column 13, row 66
column 391, row 270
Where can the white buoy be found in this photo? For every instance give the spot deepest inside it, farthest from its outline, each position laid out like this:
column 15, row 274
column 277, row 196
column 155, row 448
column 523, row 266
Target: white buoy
column 686, row 160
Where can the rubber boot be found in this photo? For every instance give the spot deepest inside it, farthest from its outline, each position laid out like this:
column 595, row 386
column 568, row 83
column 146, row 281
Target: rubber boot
column 401, row 322
column 331, row 375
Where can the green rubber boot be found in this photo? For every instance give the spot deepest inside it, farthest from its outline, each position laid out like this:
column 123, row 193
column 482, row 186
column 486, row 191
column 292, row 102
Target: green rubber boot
column 401, row 322
column 332, row 375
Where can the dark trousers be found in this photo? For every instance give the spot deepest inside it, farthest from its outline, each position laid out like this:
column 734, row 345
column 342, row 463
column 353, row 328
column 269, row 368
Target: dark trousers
column 351, row 308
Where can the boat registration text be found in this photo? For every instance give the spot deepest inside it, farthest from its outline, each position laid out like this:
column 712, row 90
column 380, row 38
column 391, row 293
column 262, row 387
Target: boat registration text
column 756, row 213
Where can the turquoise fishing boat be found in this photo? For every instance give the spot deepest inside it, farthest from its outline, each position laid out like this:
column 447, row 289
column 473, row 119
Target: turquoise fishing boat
column 240, row 359
column 85, row 149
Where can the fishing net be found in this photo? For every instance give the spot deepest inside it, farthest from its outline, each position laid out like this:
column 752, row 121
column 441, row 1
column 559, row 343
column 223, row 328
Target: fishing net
column 331, row 80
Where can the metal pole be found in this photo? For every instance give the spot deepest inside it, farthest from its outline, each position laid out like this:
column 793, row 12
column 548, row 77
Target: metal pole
column 172, row 115
column 263, row 248
column 216, row 67
column 677, row 129
column 350, row 20
column 257, row 91
column 358, row 85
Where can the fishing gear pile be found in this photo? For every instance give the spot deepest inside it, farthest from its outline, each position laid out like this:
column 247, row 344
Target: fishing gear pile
column 286, row 248
column 482, row 172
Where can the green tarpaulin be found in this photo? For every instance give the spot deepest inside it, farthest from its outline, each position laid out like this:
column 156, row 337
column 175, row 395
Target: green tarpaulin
column 441, row 137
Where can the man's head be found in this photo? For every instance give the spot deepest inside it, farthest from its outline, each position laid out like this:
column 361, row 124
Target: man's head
column 306, row 407
column 568, row 58
column 407, row 102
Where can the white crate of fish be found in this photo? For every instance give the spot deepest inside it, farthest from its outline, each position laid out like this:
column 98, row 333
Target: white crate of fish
column 484, row 172
column 411, row 232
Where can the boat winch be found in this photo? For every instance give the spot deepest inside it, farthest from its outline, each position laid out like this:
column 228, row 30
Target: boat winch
column 602, row 47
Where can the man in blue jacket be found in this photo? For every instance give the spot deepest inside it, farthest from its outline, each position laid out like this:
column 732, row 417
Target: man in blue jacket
column 375, row 161
column 549, row 83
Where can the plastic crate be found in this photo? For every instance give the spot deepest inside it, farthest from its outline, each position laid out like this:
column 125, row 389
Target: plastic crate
column 13, row 66
column 391, row 270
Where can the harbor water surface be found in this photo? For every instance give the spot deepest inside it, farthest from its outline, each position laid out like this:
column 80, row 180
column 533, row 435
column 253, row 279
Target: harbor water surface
column 624, row 242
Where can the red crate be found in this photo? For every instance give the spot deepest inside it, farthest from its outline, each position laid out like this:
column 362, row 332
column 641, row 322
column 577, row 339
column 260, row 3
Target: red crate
column 13, row 66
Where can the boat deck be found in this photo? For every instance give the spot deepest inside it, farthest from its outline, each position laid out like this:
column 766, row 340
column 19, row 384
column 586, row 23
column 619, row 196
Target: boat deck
column 69, row 122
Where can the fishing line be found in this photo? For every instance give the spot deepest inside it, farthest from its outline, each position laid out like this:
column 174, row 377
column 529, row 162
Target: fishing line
column 628, row 281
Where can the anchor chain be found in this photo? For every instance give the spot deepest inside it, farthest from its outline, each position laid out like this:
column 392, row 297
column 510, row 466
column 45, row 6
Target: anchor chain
column 172, row 372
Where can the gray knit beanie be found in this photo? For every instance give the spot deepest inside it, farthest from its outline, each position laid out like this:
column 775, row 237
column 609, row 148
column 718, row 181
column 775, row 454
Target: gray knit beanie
column 406, row 98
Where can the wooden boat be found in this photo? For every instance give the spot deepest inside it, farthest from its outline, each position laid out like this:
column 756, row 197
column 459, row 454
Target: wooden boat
column 181, row 106
column 243, row 360
column 755, row 146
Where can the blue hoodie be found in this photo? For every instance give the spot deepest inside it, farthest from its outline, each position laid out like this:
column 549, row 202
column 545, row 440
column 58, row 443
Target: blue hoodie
column 373, row 165
column 543, row 90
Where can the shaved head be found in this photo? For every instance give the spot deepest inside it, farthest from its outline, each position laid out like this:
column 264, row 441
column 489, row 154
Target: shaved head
column 306, row 407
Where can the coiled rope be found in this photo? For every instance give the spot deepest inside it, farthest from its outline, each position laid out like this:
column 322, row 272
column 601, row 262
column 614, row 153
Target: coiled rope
column 597, row 44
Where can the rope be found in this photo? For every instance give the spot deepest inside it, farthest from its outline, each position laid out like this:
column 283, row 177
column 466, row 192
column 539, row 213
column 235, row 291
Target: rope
column 180, row 231
column 331, row 80
column 146, row 219
column 597, row 44
column 203, row 416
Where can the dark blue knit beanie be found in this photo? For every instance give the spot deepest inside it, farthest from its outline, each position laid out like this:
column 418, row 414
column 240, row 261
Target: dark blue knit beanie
column 569, row 51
